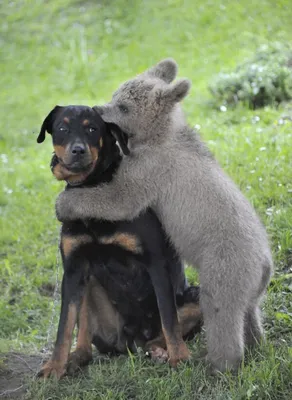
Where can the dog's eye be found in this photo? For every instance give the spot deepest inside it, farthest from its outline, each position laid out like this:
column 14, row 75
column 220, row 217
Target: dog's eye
column 91, row 129
column 124, row 109
column 62, row 129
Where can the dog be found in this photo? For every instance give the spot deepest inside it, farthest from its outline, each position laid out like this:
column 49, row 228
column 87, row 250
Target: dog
column 208, row 220
column 119, row 277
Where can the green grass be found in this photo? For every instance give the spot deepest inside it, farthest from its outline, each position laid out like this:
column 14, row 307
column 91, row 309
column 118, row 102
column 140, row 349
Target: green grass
column 78, row 52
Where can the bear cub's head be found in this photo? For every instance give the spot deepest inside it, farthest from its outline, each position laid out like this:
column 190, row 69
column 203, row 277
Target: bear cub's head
column 148, row 106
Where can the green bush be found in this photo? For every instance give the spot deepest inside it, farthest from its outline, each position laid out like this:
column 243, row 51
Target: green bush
column 264, row 79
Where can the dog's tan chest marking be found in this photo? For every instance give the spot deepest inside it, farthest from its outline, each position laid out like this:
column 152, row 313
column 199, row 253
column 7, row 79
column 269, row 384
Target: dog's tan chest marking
column 125, row 240
column 70, row 243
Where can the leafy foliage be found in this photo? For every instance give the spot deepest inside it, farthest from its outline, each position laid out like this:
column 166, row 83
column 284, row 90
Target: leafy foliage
column 264, row 79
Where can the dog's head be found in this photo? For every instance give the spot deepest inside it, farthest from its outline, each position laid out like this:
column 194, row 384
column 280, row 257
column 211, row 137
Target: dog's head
column 81, row 139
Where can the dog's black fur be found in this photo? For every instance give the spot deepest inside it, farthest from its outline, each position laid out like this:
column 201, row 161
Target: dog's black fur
column 114, row 273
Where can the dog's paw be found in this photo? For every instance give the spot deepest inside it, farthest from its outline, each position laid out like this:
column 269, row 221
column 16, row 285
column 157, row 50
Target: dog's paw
column 178, row 354
column 52, row 368
column 78, row 359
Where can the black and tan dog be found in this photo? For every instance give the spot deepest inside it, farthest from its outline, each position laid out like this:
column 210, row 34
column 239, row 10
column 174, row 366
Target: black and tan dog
column 122, row 280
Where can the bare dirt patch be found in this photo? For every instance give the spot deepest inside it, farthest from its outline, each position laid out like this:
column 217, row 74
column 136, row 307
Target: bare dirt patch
column 15, row 369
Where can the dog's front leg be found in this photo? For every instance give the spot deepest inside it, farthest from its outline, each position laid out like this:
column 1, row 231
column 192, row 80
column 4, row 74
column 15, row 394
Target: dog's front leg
column 82, row 355
column 176, row 347
column 56, row 365
column 73, row 287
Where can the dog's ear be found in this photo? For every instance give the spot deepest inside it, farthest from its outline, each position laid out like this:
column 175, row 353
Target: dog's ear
column 120, row 136
column 116, row 132
column 47, row 125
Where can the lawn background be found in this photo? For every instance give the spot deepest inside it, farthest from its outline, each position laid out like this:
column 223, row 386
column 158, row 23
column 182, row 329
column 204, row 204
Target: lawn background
column 78, row 52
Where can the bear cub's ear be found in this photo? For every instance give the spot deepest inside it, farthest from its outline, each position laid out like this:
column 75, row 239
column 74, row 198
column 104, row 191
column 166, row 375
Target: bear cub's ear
column 165, row 70
column 176, row 92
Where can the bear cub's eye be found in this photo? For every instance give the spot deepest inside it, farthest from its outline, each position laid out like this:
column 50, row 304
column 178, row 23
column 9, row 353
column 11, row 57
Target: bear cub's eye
column 92, row 129
column 123, row 108
column 63, row 129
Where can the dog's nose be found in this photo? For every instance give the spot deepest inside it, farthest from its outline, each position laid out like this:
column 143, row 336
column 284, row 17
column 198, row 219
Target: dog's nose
column 78, row 149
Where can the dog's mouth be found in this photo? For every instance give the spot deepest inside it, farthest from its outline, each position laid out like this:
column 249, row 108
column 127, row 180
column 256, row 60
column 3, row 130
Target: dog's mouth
column 74, row 174
column 76, row 167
